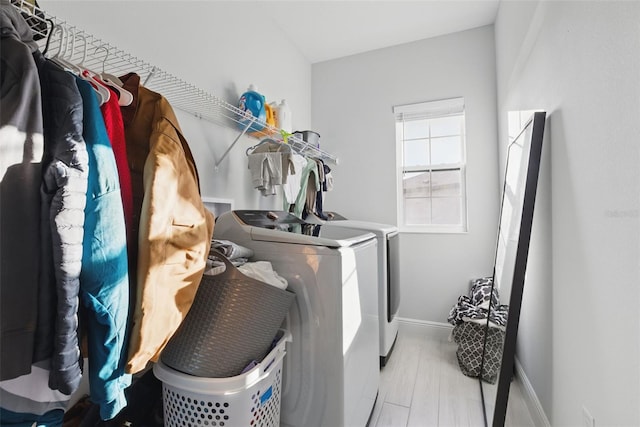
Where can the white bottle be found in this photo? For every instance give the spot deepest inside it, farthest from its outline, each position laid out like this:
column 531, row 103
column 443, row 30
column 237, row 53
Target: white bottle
column 283, row 117
column 274, row 106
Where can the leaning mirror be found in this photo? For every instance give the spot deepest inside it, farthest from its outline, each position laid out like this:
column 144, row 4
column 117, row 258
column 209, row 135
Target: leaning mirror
column 514, row 232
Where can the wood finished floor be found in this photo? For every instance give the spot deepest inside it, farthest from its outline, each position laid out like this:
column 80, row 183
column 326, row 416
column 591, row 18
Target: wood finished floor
column 422, row 385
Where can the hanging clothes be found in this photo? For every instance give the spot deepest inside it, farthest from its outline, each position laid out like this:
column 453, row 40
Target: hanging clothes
column 292, row 186
column 27, row 399
column 24, row 392
column 175, row 228
column 319, row 194
column 313, row 187
column 326, row 185
column 50, row 419
column 115, row 131
column 22, row 146
column 104, row 281
column 65, row 168
column 270, row 164
column 308, row 176
column 266, row 172
column 328, row 179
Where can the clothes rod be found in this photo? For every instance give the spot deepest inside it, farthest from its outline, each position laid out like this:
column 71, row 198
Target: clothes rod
column 100, row 56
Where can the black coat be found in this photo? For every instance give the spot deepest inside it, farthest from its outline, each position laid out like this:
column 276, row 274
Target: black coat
column 21, row 145
column 65, row 167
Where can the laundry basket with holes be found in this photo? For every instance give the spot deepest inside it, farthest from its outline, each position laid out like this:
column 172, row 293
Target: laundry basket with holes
column 250, row 399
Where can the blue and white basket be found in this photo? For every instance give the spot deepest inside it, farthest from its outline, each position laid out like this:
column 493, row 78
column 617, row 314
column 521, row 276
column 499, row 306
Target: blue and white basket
column 249, row 399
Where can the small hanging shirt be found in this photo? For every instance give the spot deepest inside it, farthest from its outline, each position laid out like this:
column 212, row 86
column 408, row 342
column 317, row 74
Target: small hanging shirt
column 292, row 187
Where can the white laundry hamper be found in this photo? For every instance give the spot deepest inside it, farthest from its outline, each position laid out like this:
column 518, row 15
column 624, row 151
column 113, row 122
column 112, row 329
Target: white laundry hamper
column 251, row 399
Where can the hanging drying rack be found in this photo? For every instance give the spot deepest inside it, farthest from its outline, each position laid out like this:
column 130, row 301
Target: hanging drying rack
column 100, row 56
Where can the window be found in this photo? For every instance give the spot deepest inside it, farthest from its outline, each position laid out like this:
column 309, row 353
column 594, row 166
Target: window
column 431, row 166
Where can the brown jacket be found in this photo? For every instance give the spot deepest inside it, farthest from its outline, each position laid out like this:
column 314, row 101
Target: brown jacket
column 175, row 228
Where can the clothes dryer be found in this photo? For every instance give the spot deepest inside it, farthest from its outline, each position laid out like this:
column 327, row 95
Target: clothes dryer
column 388, row 262
column 331, row 370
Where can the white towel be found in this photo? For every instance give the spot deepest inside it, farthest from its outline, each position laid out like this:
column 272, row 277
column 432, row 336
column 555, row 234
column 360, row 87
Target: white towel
column 263, row 271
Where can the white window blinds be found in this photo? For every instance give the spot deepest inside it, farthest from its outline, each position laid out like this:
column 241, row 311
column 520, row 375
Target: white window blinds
column 427, row 110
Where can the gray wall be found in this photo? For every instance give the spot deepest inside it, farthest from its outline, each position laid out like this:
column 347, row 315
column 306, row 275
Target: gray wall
column 352, row 110
column 579, row 332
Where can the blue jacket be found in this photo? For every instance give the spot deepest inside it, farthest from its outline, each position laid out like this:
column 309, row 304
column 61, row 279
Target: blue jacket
column 104, row 279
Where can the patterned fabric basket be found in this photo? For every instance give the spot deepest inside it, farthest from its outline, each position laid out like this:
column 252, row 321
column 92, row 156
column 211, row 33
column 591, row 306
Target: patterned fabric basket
column 470, row 339
column 232, row 323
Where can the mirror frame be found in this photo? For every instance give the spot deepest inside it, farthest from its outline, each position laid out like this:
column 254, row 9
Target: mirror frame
column 537, row 121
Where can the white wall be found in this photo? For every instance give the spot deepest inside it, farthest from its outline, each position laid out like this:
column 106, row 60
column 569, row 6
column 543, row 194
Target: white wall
column 580, row 333
column 352, row 110
column 220, row 47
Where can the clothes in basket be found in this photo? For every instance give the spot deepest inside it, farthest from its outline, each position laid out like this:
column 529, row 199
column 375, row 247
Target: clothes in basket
column 475, row 316
column 233, row 320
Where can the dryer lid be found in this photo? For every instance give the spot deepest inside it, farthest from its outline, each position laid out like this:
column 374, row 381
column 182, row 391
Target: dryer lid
column 283, row 227
column 340, row 221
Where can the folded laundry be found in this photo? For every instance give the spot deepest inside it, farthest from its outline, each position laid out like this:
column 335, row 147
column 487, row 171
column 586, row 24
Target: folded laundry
column 215, row 266
column 237, row 254
column 231, row 250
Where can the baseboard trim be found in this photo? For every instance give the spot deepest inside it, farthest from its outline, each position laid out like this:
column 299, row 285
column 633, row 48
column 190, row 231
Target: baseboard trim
column 435, row 329
column 531, row 398
column 428, row 323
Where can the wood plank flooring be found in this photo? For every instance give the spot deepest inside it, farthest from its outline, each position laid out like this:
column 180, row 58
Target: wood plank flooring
column 422, row 386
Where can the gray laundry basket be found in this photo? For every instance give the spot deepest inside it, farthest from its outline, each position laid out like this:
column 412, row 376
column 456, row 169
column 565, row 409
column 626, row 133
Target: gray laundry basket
column 232, row 322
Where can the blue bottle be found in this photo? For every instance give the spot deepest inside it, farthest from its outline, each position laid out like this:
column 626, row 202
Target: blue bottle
column 252, row 103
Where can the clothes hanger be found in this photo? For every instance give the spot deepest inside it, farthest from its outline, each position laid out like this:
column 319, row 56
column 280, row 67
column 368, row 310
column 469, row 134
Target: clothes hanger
column 106, row 76
column 46, row 46
column 125, row 97
column 55, row 28
column 104, row 94
column 264, row 141
column 66, row 63
column 59, row 56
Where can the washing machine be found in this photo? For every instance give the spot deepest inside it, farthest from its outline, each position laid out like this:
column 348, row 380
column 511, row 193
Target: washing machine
column 331, row 371
column 388, row 274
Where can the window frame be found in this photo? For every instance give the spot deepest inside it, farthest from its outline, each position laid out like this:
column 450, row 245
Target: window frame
column 430, row 110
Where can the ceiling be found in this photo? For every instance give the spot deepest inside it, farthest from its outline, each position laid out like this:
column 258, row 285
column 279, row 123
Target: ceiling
column 329, row 29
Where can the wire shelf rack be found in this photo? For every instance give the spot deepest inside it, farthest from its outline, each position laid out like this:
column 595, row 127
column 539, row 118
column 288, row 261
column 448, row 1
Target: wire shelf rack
column 99, row 56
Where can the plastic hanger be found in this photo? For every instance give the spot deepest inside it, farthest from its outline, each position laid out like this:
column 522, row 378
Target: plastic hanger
column 103, row 93
column 46, row 46
column 59, row 29
column 106, row 76
column 125, row 97
column 59, row 57
column 281, row 146
column 264, row 141
column 67, row 63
